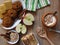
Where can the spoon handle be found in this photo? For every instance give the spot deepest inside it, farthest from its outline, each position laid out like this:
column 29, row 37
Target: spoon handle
column 49, row 41
column 54, row 12
column 55, row 30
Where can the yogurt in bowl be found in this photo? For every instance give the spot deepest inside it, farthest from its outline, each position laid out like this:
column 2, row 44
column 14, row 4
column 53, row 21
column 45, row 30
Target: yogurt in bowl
column 50, row 20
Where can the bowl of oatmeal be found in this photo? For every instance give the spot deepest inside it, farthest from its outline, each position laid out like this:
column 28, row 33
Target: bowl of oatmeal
column 14, row 37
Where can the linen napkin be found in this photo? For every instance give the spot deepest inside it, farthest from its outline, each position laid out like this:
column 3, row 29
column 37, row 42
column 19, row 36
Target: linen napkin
column 23, row 4
column 32, row 5
column 29, row 4
column 42, row 3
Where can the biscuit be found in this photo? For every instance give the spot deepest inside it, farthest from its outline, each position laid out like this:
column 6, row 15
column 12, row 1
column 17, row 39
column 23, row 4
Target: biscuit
column 17, row 5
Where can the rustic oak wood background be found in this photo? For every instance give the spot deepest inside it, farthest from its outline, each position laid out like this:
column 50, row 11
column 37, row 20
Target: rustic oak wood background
column 54, row 37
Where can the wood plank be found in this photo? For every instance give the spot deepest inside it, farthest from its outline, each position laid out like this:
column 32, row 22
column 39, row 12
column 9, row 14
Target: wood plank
column 54, row 37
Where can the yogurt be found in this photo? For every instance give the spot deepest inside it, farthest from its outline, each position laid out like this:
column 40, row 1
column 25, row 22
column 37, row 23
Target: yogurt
column 50, row 20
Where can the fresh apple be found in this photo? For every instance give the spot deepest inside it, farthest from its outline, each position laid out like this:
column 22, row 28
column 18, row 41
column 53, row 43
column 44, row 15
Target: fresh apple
column 21, row 28
column 18, row 28
column 24, row 29
column 28, row 19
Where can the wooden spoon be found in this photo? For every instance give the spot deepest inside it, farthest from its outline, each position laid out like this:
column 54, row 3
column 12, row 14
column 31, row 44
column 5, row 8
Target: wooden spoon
column 42, row 33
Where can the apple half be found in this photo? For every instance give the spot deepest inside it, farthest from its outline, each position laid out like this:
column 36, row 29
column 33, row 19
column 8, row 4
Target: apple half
column 20, row 28
column 28, row 19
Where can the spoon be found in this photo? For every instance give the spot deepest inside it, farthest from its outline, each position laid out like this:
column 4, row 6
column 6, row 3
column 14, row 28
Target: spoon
column 13, row 26
column 55, row 30
column 42, row 33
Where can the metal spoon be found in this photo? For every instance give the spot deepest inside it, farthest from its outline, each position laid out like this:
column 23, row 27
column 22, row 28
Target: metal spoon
column 42, row 33
column 55, row 30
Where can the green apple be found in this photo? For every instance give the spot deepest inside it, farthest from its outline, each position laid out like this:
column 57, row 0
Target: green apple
column 18, row 28
column 21, row 28
column 28, row 19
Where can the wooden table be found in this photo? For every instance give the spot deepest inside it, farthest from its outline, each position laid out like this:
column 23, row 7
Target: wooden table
column 54, row 37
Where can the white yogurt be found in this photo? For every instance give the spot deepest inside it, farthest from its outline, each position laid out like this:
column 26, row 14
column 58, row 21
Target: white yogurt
column 53, row 19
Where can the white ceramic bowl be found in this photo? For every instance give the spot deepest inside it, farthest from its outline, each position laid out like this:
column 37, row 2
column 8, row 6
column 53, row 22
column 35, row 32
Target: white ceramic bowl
column 16, row 40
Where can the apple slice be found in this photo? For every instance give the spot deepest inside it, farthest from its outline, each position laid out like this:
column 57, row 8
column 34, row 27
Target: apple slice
column 27, row 22
column 29, row 16
column 23, row 31
column 18, row 28
column 21, row 28
column 28, row 19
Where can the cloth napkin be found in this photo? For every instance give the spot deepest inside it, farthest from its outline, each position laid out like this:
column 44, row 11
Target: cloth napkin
column 32, row 5
column 42, row 3
column 29, row 4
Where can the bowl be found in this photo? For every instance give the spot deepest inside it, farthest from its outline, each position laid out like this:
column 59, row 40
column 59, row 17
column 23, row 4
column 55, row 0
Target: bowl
column 43, row 20
column 11, row 42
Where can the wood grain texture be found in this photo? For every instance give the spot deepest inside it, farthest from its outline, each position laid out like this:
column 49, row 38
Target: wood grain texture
column 54, row 37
